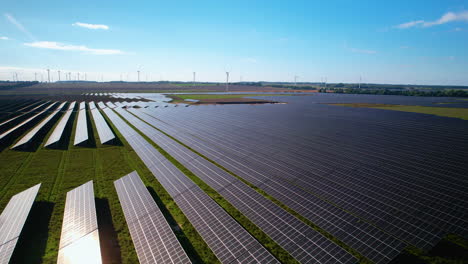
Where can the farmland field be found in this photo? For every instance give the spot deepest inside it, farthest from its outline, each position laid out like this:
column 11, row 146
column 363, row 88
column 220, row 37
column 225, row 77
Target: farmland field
column 365, row 185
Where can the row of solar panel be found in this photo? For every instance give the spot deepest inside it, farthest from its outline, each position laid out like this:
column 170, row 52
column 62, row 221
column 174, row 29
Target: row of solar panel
column 229, row 241
column 247, row 150
column 35, row 113
column 79, row 242
column 300, row 240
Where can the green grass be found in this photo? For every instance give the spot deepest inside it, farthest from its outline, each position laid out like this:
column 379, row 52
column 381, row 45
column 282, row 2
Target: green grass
column 461, row 113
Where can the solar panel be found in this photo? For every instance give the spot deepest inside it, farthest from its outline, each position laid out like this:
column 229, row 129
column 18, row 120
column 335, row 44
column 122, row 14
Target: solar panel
column 153, row 237
column 111, row 105
column 26, row 121
column 20, row 110
column 81, row 132
column 301, row 241
column 12, row 221
column 92, row 105
column 79, row 241
column 101, row 105
column 33, row 132
column 228, row 240
column 59, row 129
column 105, row 133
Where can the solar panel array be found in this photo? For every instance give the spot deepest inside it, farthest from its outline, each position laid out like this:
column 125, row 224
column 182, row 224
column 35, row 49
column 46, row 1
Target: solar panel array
column 332, row 158
column 59, row 129
column 105, row 133
column 151, row 234
column 22, row 109
column 81, row 132
column 26, row 121
column 226, row 238
column 33, row 132
column 79, row 237
column 12, row 221
column 301, row 241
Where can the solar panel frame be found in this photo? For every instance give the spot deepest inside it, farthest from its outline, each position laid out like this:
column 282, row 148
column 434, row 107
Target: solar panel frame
column 33, row 132
column 12, row 220
column 154, row 240
column 79, row 221
column 81, row 132
column 59, row 129
column 105, row 133
column 26, row 121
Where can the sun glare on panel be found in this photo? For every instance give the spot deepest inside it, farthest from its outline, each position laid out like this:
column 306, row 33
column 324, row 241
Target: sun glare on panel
column 85, row 250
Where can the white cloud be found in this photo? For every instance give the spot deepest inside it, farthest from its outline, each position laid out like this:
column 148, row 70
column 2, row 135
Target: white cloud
column 90, row 26
column 4, row 38
column 60, row 46
column 18, row 25
column 446, row 18
column 410, row 24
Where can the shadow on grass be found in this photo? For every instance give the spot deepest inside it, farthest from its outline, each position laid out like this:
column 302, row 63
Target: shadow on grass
column 191, row 252
column 33, row 239
column 110, row 248
column 91, row 142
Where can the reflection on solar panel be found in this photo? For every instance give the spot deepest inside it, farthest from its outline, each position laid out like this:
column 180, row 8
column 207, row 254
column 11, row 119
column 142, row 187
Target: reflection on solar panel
column 101, row 105
column 32, row 110
column 12, row 221
column 33, row 132
column 301, row 241
column 111, row 105
column 81, row 132
column 79, row 241
column 105, row 133
column 153, row 237
column 26, row 121
column 229, row 241
column 58, row 131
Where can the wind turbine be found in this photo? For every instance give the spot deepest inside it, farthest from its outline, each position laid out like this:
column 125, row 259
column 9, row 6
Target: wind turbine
column 194, row 75
column 360, row 80
column 59, row 76
column 35, row 76
column 48, row 75
column 295, row 80
column 227, row 81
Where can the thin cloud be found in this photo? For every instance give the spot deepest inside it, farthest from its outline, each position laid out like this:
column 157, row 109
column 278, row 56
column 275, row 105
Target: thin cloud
column 90, row 26
column 4, row 38
column 66, row 47
column 410, row 24
column 18, row 25
column 446, row 18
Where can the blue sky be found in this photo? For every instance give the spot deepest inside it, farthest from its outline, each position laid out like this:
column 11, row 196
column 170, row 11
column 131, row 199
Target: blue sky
column 400, row 41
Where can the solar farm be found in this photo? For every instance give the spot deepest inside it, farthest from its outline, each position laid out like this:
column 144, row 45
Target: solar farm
column 108, row 177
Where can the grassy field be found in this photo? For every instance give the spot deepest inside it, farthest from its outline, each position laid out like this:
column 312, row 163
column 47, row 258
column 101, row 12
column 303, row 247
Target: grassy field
column 461, row 113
